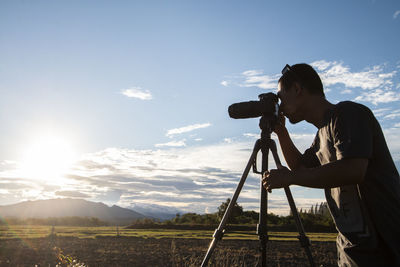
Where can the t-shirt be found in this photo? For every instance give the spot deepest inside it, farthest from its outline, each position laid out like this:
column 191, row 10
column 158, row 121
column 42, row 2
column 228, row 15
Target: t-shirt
column 365, row 214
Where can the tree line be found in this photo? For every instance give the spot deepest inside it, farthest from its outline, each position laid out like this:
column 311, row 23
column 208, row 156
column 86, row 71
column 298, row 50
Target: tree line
column 316, row 218
column 56, row 221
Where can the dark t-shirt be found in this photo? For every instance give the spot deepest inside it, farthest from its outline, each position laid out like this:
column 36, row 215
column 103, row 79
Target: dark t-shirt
column 367, row 215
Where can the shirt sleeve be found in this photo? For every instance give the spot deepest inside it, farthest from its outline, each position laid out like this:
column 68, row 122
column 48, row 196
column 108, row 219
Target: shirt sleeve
column 352, row 132
column 309, row 159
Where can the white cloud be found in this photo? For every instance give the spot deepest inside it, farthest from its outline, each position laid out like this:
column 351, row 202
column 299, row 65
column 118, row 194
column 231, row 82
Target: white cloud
column 180, row 143
column 393, row 115
column 335, row 72
column 322, row 65
column 228, row 140
column 346, row 91
column 137, row 92
column 379, row 96
column 249, row 73
column 255, row 78
column 377, row 84
column 225, row 83
column 191, row 179
column 396, row 14
column 187, row 178
column 186, row 129
column 393, row 142
column 380, row 112
column 251, row 135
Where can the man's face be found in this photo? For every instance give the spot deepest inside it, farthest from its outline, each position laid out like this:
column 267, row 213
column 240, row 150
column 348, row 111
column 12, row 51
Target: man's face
column 289, row 103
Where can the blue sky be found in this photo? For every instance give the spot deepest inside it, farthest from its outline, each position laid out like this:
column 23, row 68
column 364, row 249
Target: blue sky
column 125, row 102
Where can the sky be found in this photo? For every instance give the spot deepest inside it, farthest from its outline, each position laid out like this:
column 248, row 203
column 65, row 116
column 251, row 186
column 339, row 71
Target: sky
column 125, row 102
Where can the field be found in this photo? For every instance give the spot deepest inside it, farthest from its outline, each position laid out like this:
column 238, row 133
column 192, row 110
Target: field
column 109, row 246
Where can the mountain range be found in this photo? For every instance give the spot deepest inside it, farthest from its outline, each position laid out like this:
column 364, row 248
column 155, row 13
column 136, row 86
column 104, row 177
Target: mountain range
column 67, row 207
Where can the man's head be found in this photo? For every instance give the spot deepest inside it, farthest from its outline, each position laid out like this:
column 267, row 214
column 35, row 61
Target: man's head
column 297, row 84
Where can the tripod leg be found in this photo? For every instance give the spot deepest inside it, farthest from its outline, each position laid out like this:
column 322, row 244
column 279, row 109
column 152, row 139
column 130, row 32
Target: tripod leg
column 304, row 241
column 262, row 228
column 219, row 232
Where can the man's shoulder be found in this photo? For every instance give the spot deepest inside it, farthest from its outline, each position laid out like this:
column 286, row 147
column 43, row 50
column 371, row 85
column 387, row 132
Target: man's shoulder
column 350, row 108
column 350, row 105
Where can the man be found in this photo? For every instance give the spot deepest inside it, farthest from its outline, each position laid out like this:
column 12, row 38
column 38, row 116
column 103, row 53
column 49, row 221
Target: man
column 349, row 158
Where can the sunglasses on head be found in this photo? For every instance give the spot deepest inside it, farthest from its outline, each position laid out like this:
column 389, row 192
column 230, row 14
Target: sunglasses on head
column 288, row 69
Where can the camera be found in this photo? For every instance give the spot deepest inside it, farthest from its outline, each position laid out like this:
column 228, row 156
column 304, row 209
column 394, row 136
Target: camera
column 267, row 106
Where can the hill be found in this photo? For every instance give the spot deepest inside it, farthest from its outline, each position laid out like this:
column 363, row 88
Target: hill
column 66, row 207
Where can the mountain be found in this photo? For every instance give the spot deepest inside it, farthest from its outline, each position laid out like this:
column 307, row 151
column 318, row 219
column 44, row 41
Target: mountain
column 66, row 207
column 156, row 211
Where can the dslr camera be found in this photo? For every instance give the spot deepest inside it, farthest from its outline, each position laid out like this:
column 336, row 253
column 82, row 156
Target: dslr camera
column 267, row 107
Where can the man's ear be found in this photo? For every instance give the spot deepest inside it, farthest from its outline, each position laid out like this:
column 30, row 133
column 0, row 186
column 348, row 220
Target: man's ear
column 298, row 88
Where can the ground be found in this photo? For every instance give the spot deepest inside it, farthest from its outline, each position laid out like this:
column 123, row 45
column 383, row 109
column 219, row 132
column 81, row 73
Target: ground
column 136, row 251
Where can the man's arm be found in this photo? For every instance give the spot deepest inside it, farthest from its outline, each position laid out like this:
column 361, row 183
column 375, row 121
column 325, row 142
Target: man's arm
column 290, row 152
column 334, row 174
column 341, row 172
column 350, row 168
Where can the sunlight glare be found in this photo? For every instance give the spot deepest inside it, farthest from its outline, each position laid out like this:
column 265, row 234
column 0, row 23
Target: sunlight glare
column 47, row 158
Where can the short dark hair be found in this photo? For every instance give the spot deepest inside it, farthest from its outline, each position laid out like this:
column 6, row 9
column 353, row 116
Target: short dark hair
column 306, row 76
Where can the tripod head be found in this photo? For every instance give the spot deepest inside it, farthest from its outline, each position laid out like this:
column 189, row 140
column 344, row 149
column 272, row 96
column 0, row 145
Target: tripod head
column 267, row 125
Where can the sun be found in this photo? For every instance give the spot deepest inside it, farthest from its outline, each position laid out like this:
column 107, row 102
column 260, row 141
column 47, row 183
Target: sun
column 47, row 158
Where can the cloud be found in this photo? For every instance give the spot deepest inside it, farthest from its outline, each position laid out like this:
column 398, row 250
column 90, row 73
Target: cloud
column 228, row 140
column 392, row 140
column 394, row 114
column 192, row 179
column 380, row 112
column 252, row 135
column 396, row 14
column 186, row 129
column 376, row 83
column 182, row 177
column 379, row 96
column 188, row 179
column 336, row 73
column 225, row 83
column 180, row 143
column 250, row 73
column 346, row 91
column 137, row 92
column 256, row 78
column 74, row 194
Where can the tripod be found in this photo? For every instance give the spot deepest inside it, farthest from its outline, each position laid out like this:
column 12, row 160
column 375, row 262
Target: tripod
column 265, row 144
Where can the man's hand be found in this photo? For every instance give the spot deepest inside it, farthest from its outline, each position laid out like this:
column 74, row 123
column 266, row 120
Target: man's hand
column 280, row 126
column 277, row 178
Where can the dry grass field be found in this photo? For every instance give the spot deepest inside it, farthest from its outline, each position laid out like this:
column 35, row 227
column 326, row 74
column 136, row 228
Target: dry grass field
column 88, row 247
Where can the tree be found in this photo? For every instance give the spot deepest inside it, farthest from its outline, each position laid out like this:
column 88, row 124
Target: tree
column 236, row 212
